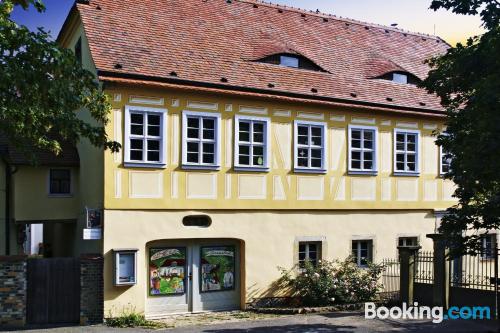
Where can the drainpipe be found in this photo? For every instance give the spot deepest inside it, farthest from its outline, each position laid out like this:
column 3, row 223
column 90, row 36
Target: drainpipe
column 8, row 178
column 8, row 193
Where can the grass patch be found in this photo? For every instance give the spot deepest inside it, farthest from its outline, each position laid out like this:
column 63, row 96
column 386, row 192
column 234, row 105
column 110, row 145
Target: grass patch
column 242, row 315
column 132, row 319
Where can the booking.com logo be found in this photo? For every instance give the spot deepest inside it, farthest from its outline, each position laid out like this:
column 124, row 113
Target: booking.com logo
column 436, row 313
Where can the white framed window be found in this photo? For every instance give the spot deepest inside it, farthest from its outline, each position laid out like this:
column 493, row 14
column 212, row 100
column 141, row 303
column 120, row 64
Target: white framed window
column 362, row 252
column 488, row 246
column 200, row 140
column 309, row 251
column 363, row 145
column 406, row 152
column 145, row 136
column 251, row 143
column 59, row 182
column 309, row 146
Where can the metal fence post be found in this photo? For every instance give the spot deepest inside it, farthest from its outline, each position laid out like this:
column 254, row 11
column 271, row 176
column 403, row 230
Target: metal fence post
column 497, row 254
column 407, row 256
column 441, row 286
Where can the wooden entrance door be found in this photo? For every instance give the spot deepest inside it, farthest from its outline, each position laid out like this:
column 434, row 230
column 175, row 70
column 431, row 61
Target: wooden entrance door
column 53, row 295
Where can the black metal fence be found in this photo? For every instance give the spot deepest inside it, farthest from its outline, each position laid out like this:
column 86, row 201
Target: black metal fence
column 424, row 267
column 475, row 271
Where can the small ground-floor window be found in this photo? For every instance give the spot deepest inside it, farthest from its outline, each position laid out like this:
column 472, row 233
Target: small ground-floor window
column 362, row 252
column 407, row 241
column 309, row 251
column 488, row 242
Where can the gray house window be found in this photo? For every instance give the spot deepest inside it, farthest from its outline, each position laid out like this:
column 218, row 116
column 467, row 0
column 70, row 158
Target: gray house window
column 60, row 181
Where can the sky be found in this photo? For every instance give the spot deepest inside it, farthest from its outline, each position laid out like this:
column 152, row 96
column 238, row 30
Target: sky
column 412, row 15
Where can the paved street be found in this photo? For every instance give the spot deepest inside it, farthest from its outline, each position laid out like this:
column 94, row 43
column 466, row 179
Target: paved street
column 330, row 322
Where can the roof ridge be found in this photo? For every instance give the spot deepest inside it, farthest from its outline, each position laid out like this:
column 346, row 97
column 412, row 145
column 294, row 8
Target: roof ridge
column 340, row 18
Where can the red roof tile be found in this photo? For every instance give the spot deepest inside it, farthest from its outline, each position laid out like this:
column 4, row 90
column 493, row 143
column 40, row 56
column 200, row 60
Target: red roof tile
column 30, row 156
column 205, row 40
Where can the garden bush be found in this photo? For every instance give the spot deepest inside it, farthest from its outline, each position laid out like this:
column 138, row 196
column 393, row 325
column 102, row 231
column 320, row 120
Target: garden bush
column 333, row 282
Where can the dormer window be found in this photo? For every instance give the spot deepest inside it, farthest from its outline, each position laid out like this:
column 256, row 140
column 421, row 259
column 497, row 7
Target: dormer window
column 291, row 60
column 400, row 77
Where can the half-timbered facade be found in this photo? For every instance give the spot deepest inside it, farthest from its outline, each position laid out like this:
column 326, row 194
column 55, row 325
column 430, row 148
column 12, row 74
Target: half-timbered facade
column 254, row 136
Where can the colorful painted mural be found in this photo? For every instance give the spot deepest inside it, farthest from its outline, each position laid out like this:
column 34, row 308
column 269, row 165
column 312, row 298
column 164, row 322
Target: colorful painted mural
column 217, row 268
column 167, row 268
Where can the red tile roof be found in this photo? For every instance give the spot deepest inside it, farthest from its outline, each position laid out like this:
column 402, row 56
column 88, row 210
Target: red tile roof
column 205, row 40
column 31, row 156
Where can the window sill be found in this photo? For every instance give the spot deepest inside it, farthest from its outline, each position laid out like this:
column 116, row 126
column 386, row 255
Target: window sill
column 362, row 173
column 314, row 171
column 144, row 165
column 200, row 167
column 406, row 174
column 55, row 195
column 251, row 169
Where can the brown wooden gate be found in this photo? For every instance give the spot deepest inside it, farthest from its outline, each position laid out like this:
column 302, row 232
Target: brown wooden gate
column 53, row 293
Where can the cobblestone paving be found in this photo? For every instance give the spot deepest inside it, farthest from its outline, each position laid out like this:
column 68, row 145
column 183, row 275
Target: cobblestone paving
column 211, row 318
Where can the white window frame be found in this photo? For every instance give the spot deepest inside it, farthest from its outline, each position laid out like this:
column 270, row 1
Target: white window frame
column 265, row 145
column 307, row 244
column 417, row 153
column 217, row 140
column 60, row 195
column 362, row 170
column 441, row 156
column 358, row 251
column 493, row 240
column 163, row 137
column 296, row 147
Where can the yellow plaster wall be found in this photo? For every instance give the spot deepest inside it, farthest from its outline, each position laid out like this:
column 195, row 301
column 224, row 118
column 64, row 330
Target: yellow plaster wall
column 281, row 187
column 268, row 239
column 32, row 199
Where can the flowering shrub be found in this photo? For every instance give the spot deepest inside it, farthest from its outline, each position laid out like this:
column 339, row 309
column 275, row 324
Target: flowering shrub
column 332, row 282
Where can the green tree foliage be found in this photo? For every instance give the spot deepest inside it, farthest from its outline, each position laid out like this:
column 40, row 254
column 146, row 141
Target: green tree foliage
column 467, row 79
column 41, row 87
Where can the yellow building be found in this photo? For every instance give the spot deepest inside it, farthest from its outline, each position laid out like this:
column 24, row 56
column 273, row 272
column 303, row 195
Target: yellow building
column 254, row 136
